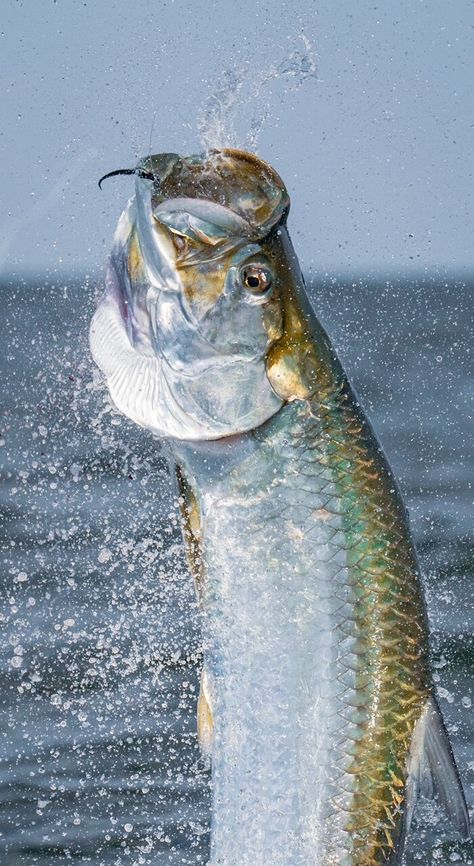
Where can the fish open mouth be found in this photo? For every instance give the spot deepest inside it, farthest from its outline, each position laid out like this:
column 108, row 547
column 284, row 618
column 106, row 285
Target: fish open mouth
column 238, row 181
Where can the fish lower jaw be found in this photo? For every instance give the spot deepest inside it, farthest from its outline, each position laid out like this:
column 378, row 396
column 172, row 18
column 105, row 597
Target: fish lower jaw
column 227, row 401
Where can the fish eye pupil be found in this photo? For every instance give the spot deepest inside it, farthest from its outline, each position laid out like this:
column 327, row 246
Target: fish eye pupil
column 253, row 282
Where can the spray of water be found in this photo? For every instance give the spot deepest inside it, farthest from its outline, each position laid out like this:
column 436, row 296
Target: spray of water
column 241, row 90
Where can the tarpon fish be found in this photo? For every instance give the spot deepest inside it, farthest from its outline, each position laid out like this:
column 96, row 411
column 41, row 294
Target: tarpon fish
column 316, row 707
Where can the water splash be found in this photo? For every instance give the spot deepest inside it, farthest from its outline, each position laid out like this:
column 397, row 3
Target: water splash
column 241, row 91
column 216, row 119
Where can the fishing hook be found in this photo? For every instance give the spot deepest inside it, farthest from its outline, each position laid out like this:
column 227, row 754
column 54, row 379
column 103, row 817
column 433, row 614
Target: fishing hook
column 140, row 171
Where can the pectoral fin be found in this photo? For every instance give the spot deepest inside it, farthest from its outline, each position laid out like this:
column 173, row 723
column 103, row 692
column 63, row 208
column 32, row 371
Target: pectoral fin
column 204, row 718
column 432, row 770
column 191, row 526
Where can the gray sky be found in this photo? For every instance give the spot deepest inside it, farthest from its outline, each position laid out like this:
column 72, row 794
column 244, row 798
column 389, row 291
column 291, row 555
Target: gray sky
column 376, row 153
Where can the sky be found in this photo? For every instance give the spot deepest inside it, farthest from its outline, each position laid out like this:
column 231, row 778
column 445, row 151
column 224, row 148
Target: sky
column 375, row 146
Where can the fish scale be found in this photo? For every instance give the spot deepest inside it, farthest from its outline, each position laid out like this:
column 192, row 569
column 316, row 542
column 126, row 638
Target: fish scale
column 309, row 578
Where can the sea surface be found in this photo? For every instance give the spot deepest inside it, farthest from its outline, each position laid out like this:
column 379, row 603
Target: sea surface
column 100, row 647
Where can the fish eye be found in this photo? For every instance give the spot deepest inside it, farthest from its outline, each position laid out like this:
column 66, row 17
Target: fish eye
column 256, row 279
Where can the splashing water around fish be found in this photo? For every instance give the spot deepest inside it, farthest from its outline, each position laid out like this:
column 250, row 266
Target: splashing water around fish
column 316, row 705
column 241, row 88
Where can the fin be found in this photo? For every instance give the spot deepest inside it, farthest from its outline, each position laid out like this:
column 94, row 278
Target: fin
column 204, row 718
column 191, row 527
column 432, row 770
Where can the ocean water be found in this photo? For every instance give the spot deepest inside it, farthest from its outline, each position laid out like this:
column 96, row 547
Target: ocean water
column 100, row 647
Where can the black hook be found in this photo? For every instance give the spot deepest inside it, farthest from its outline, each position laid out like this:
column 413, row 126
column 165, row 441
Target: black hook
column 140, row 171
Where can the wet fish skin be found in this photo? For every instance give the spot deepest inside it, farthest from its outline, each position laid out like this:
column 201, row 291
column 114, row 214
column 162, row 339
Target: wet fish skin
column 312, row 541
column 317, row 703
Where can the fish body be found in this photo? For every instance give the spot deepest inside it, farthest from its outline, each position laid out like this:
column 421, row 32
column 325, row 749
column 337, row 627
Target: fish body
column 316, row 704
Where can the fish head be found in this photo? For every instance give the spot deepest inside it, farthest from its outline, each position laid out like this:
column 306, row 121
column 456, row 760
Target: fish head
column 190, row 330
